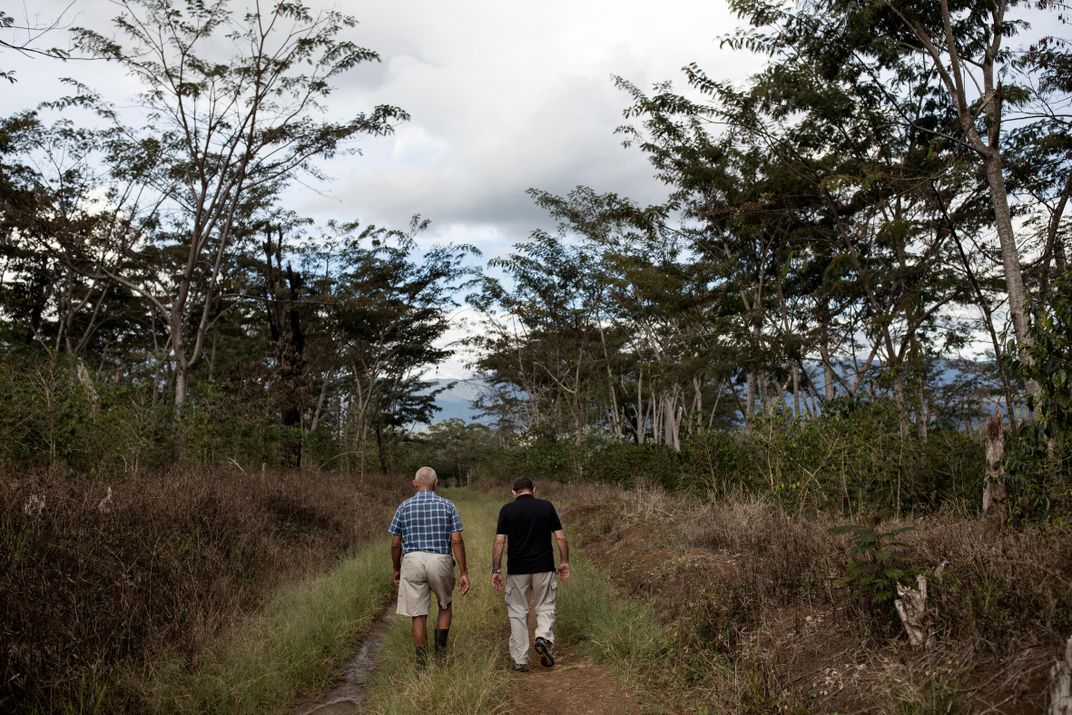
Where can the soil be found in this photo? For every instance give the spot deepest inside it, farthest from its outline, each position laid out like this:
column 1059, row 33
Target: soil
column 573, row 684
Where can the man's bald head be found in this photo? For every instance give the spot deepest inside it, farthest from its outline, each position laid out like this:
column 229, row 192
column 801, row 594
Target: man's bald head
column 426, row 478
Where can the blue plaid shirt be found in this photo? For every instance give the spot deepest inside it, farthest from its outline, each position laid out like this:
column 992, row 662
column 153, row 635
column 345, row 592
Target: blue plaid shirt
column 425, row 522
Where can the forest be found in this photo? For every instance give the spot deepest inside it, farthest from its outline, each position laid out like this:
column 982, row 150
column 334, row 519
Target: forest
column 853, row 307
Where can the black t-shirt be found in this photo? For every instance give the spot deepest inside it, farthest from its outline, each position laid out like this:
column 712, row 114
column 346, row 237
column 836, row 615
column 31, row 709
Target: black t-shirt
column 528, row 524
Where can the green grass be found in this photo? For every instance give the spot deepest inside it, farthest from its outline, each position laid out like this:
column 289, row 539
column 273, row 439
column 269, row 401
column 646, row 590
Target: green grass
column 476, row 676
column 623, row 633
column 294, row 644
column 611, row 627
column 298, row 641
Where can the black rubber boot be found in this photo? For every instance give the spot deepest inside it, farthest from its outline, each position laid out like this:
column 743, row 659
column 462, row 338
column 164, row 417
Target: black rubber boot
column 441, row 643
column 422, row 656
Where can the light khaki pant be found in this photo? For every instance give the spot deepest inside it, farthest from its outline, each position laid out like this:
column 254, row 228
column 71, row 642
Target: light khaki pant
column 542, row 587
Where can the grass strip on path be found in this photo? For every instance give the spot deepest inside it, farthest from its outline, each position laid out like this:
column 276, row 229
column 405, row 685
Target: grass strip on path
column 610, row 626
column 295, row 643
column 616, row 630
column 475, row 677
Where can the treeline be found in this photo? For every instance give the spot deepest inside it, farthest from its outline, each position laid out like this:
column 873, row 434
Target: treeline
column 865, row 244
column 159, row 303
column 875, row 223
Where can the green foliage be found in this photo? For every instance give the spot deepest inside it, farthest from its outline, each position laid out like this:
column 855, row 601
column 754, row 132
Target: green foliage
column 847, row 462
column 1050, row 363
column 51, row 419
column 628, row 464
column 1039, row 452
column 850, row 464
column 875, row 568
column 459, row 451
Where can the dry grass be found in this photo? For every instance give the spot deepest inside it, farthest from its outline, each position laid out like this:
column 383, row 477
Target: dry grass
column 93, row 582
column 761, row 624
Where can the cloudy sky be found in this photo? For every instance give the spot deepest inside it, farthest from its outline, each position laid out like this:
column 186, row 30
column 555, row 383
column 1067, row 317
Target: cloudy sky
column 503, row 96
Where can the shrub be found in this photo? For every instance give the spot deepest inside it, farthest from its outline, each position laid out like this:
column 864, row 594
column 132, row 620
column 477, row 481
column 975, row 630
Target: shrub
column 103, row 572
column 851, row 462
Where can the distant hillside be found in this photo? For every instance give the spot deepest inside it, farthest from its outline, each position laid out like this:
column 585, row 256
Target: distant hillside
column 456, row 403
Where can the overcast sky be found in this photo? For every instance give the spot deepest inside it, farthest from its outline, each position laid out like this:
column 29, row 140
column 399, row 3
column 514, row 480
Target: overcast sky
column 503, row 96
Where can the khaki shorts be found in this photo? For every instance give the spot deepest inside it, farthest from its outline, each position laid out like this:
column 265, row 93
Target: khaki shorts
column 422, row 574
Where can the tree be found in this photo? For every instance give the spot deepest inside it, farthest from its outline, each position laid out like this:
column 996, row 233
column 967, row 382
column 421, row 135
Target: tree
column 219, row 137
column 950, row 57
column 57, row 228
column 27, row 41
column 384, row 310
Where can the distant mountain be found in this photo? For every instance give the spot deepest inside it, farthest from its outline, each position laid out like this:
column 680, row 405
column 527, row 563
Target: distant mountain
column 456, row 403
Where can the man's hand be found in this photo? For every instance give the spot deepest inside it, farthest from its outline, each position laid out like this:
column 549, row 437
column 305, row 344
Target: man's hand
column 497, row 581
column 396, row 557
column 463, row 583
column 563, row 571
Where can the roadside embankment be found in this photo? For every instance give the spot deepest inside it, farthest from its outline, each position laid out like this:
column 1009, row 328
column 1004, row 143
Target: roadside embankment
column 757, row 610
column 108, row 583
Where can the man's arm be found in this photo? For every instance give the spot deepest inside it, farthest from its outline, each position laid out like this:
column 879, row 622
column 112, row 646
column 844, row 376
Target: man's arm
column 563, row 555
column 496, row 561
column 457, row 545
column 396, row 556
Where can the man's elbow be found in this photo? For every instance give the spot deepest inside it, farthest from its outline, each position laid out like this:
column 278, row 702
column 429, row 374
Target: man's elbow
column 456, row 537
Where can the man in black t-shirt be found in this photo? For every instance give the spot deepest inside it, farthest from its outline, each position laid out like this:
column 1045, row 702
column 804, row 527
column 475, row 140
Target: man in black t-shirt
column 525, row 528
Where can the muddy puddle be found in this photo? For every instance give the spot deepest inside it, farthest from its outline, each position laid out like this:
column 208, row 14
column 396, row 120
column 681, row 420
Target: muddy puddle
column 346, row 695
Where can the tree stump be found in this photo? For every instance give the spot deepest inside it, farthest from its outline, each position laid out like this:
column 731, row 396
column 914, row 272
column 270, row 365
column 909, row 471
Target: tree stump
column 912, row 609
column 1061, row 684
column 994, row 491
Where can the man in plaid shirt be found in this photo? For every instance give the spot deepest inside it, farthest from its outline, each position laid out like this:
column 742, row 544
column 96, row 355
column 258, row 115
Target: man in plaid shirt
column 426, row 530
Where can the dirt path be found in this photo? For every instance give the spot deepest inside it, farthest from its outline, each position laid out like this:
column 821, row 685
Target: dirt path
column 347, row 694
column 574, row 685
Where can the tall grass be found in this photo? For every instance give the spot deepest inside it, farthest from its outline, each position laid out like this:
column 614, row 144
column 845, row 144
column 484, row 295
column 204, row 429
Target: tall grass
column 295, row 643
column 475, row 676
column 101, row 577
column 611, row 626
column 757, row 620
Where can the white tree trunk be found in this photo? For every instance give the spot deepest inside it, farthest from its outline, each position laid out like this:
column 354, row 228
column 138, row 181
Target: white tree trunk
column 994, row 491
column 1061, row 684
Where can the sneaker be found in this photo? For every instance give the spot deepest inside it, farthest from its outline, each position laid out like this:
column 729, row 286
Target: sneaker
column 520, row 668
column 544, row 648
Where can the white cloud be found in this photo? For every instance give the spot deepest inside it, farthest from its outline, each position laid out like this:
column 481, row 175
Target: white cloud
column 503, row 96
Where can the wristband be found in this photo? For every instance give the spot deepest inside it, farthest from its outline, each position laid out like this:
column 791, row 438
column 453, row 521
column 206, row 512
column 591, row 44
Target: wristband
column 495, row 570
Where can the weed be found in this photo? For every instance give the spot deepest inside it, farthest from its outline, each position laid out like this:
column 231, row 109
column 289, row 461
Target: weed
column 875, row 568
column 165, row 566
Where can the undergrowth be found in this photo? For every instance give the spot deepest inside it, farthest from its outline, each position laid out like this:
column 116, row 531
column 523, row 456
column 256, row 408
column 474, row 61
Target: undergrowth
column 103, row 576
column 295, row 643
column 769, row 611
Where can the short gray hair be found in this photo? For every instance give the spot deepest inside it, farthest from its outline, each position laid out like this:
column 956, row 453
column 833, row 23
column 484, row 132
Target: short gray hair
column 426, row 477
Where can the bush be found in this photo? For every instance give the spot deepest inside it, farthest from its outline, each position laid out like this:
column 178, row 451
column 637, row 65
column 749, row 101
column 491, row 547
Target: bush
column 774, row 609
column 101, row 573
column 850, row 461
